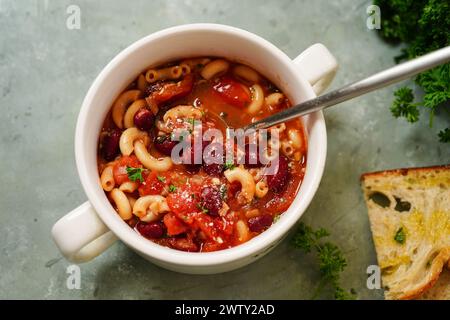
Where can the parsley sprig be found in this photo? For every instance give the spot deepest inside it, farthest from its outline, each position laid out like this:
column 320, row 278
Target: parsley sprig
column 135, row 174
column 229, row 165
column 423, row 26
column 331, row 260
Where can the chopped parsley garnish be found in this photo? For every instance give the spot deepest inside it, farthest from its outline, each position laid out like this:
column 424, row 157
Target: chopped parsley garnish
column 400, row 236
column 172, row 188
column 160, row 178
column 229, row 166
column 192, row 121
column 223, row 192
column 330, row 258
column 135, row 174
column 161, row 139
column 202, row 208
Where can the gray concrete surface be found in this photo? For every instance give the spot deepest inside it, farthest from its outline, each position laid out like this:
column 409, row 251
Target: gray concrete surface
column 46, row 69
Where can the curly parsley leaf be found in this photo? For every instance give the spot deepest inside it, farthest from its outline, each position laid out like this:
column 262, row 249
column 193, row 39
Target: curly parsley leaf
column 444, row 135
column 135, row 174
column 403, row 105
column 424, row 26
column 229, row 166
column 330, row 258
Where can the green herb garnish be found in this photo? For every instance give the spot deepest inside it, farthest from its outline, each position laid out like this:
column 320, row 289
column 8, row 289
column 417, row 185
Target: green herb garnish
column 331, row 260
column 423, row 26
column 400, row 236
column 161, row 139
column 135, row 174
column 160, row 178
column 191, row 121
column 172, row 188
column 229, row 166
column 223, row 192
column 202, row 208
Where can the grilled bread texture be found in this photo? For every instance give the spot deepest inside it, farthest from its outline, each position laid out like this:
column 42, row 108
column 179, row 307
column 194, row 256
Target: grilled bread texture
column 409, row 213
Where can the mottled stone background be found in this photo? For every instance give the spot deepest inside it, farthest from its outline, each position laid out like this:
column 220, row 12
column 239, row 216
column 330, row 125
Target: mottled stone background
column 46, row 69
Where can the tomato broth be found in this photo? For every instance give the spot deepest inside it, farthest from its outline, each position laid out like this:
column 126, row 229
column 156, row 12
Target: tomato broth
column 198, row 207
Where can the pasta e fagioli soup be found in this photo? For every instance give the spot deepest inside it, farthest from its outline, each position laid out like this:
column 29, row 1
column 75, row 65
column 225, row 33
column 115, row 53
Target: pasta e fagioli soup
column 176, row 167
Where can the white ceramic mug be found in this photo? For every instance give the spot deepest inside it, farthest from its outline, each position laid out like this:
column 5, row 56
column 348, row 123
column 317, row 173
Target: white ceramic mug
column 91, row 228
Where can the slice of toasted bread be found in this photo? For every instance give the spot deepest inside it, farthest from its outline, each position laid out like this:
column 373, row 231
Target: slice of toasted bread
column 440, row 290
column 409, row 212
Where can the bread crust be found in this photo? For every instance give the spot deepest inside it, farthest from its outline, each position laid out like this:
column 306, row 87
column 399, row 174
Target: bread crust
column 403, row 171
column 436, row 269
column 400, row 183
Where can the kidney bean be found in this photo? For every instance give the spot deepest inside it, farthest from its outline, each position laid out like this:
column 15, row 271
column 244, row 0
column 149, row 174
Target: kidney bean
column 165, row 145
column 260, row 223
column 211, row 200
column 150, row 230
column 278, row 181
column 144, row 119
column 110, row 145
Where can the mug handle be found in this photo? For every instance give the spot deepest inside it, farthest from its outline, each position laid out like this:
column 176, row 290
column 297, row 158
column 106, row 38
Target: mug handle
column 318, row 66
column 81, row 236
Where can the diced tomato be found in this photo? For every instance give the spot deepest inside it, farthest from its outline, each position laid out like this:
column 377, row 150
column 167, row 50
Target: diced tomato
column 185, row 200
column 154, row 183
column 174, row 225
column 208, row 225
column 120, row 168
column 233, row 92
column 172, row 90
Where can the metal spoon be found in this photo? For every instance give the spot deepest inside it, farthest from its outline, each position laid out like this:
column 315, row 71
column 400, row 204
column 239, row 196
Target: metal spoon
column 374, row 82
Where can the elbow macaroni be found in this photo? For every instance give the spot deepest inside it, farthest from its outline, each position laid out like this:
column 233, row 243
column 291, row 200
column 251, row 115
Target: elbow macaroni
column 274, row 99
column 149, row 208
column 129, row 186
column 287, row 149
column 122, row 203
column 261, row 189
column 195, row 62
column 128, row 138
column 242, row 231
column 257, row 99
column 142, row 83
column 149, row 161
column 214, row 69
column 246, row 73
column 294, row 137
column 172, row 73
column 121, row 104
column 246, row 180
column 107, row 179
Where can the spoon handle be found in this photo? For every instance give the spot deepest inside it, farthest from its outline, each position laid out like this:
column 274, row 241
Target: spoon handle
column 374, row 82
